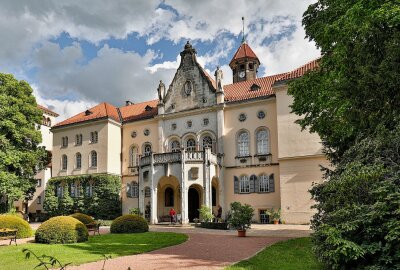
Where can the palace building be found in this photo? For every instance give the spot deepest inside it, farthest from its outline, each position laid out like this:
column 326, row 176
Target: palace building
column 201, row 142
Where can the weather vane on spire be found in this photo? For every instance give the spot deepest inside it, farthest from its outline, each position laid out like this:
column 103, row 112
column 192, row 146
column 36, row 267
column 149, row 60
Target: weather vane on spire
column 243, row 40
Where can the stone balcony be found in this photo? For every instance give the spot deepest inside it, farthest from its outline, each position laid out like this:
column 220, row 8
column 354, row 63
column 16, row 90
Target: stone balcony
column 177, row 157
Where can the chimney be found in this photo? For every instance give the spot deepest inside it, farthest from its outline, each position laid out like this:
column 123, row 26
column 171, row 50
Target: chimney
column 128, row 102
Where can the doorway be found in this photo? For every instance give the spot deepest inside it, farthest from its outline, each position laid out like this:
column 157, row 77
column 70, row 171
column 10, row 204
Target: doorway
column 193, row 203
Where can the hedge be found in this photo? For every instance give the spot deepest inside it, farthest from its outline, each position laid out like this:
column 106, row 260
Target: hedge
column 129, row 224
column 61, row 230
column 15, row 222
column 85, row 219
column 215, row 225
column 105, row 202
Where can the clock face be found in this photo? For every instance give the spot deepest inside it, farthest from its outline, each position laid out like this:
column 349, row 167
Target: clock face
column 241, row 74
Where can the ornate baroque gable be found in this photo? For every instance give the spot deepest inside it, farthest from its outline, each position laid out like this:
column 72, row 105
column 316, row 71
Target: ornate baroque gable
column 191, row 87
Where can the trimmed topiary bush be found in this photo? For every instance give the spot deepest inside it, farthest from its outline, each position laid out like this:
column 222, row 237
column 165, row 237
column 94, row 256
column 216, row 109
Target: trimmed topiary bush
column 85, row 219
column 15, row 222
column 61, row 230
column 129, row 224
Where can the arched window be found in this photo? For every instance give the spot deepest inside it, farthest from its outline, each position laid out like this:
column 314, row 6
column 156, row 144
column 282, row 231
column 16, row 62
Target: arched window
column 44, row 121
column 244, row 184
column 133, row 156
column 262, row 137
column 169, row 196
column 207, row 142
column 64, row 141
column 64, row 162
column 93, row 159
column 175, row 146
column 147, row 149
column 264, row 183
column 78, row 161
column 191, row 145
column 243, row 144
column 48, row 121
column 132, row 190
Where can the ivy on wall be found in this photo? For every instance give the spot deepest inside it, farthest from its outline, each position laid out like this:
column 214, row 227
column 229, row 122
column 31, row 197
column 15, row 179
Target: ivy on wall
column 97, row 195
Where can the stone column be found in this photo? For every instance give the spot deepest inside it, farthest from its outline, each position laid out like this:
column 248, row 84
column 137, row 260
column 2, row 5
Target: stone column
column 221, row 180
column 207, row 180
column 153, row 208
column 184, row 191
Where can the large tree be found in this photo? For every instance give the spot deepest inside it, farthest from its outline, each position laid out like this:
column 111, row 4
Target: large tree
column 353, row 102
column 20, row 155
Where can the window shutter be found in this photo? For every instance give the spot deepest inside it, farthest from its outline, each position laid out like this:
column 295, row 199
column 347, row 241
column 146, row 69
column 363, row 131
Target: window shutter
column 271, row 183
column 236, row 184
column 253, row 180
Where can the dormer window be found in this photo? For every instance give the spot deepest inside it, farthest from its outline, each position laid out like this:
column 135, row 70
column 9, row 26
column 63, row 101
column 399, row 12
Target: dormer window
column 148, row 108
column 255, row 87
column 87, row 112
column 241, row 67
column 251, row 66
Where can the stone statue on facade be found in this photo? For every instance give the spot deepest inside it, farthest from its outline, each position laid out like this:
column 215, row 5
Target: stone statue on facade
column 161, row 92
column 219, row 76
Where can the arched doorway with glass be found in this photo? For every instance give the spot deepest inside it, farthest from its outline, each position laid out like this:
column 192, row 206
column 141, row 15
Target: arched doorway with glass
column 215, row 195
column 195, row 197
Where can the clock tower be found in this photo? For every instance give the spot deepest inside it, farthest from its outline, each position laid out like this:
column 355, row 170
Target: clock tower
column 244, row 64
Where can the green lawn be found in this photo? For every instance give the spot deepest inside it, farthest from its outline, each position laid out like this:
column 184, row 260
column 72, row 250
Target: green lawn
column 12, row 257
column 292, row 254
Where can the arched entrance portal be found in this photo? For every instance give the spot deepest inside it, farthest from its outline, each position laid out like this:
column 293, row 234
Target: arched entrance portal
column 193, row 203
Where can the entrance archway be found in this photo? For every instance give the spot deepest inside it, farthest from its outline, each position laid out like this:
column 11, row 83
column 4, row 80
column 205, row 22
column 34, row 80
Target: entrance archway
column 193, row 203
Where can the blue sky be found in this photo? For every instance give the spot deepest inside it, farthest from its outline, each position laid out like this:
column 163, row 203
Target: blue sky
column 76, row 54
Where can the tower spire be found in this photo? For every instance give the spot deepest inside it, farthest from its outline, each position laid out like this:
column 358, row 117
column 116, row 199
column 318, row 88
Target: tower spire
column 243, row 39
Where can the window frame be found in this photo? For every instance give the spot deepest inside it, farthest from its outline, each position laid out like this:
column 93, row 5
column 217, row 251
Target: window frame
column 78, row 161
column 263, row 183
column 191, row 148
column 64, row 161
column 244, row 184
column 262, row 144
column 93, row 157
column 243, row 145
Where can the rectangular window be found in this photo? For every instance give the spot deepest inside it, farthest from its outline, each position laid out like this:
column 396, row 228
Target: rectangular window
column 39, row 182
column 39, row 200
column 244, row 184
column 264, row 183
column 147, row 192
column 264, row 217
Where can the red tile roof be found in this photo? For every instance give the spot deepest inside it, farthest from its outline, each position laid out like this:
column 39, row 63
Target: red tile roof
column 138, row 111
column 298, row 72
column 242, row 90
column 244, row 51
column 47, row 110
column 103, row 110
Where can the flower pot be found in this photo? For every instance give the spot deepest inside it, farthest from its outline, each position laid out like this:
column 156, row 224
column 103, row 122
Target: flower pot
column 276, row 222
column 241, row 233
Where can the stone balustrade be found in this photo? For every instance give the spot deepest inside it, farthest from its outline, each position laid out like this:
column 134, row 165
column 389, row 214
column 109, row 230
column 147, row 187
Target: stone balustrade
column 171, row 157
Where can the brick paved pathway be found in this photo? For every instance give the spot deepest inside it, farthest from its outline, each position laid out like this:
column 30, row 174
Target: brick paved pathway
column 201, row 251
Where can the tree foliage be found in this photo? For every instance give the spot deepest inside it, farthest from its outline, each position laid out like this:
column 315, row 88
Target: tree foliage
column 20, row 155
column 352, row 102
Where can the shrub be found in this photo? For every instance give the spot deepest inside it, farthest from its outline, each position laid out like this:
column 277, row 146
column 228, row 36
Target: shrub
column 215, row 225
column 61, row 230
column 129, row 224
column 85, row 219
column 241, row 215
column 205, row 213
column 15, row 222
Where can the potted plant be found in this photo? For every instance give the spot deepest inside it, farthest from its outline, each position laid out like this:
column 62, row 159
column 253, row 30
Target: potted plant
column 275, row 215
column 240, row 217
